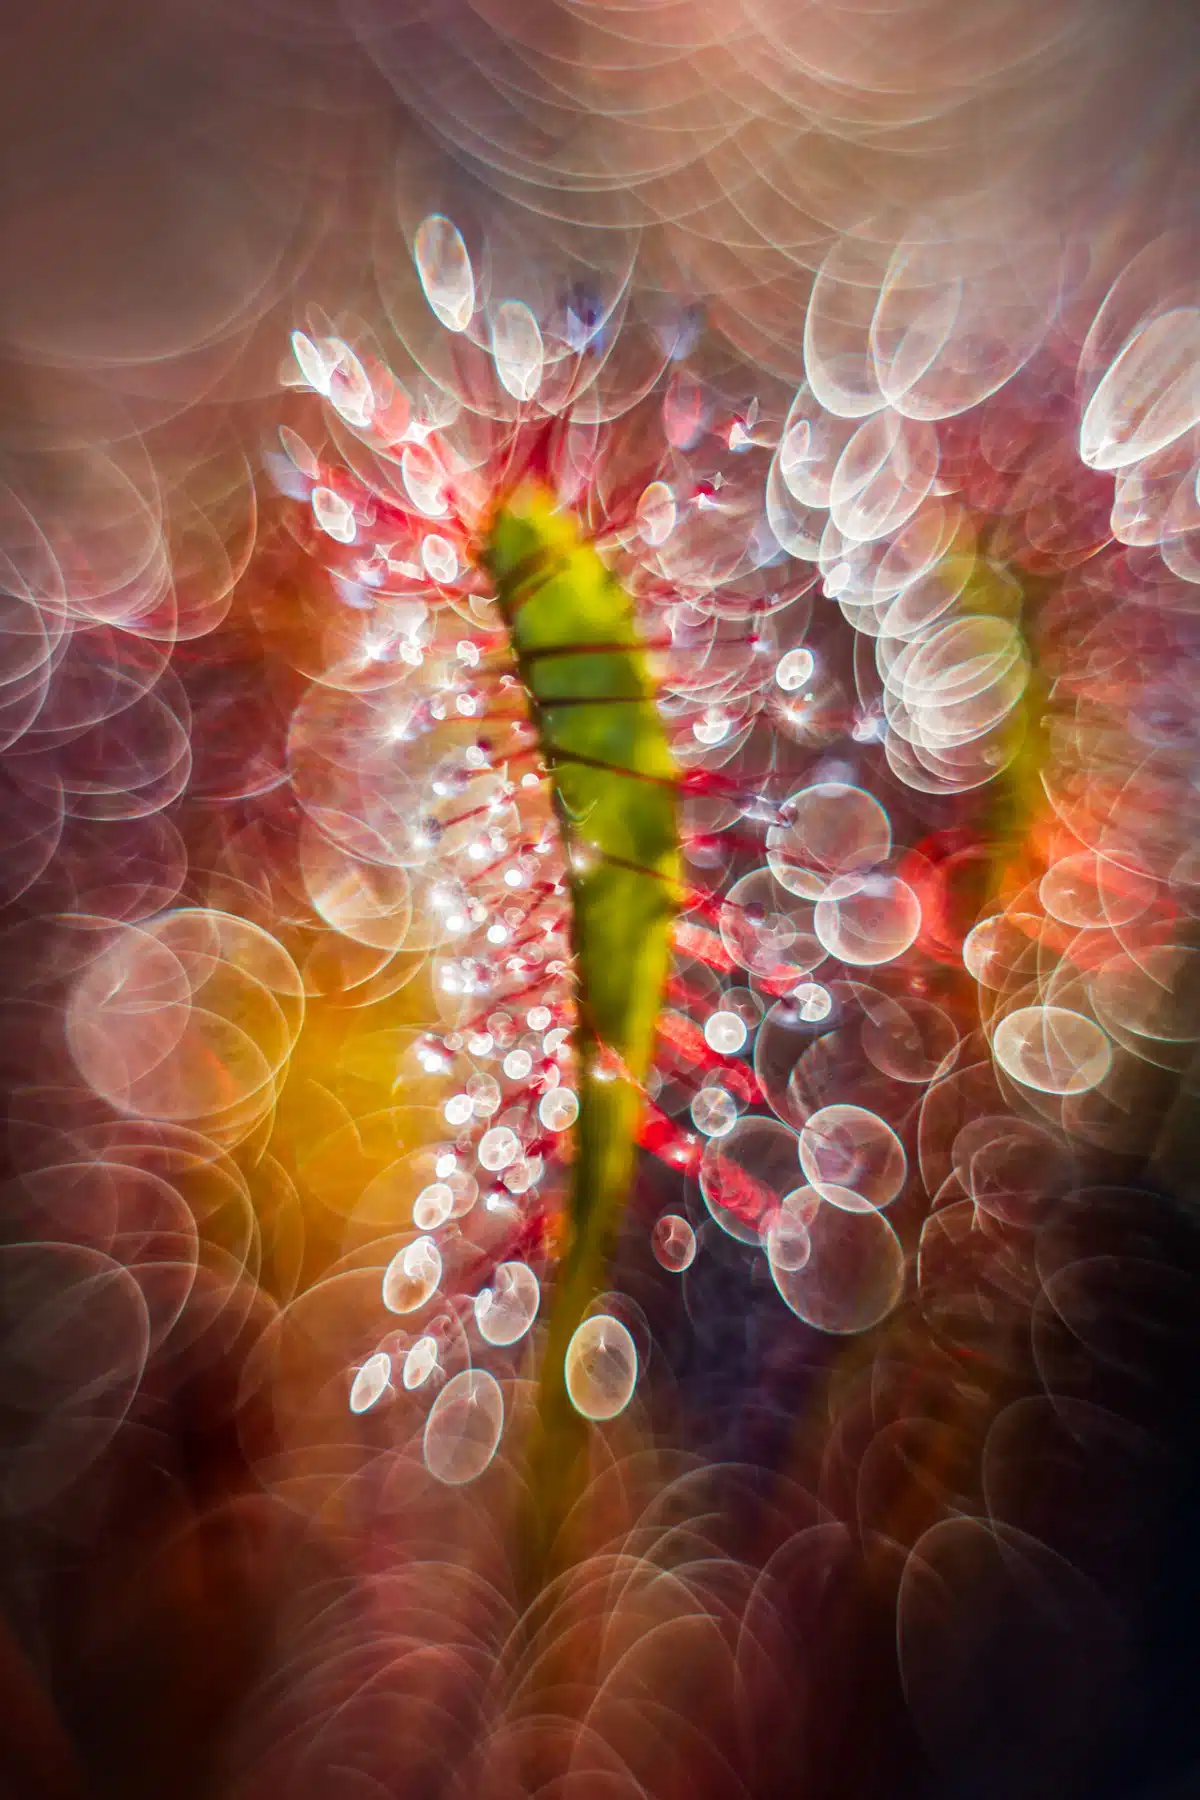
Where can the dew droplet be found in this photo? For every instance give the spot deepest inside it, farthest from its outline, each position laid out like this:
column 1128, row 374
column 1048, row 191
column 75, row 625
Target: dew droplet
column 674, row 1243
column 498, row 1148
column 311, row 363
column 847, row 1147
column 559, row 1109
column 412, row 1276
column 463, row 1428
column 445, row 272
column 420, row 1362
column 370, row 1382
column 1052, row 1049
column 656, row 513
column 725, row 1033
column 440, row 559
column 334, row 515
column 786, row 1241
column 505, row 1310
column 714, row 1112
column 601, row 1367
column 518, row 349
column 793, row 669
column 812, row 1001
column 433, row 1206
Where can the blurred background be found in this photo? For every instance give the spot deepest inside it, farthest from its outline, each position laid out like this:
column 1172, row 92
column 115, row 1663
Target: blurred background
column 181, row 184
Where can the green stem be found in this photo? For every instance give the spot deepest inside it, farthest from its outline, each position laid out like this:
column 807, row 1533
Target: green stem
column 613, row 778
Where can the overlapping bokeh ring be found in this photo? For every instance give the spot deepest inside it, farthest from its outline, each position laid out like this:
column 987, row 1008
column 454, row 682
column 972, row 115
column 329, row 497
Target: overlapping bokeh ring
column 909, row 498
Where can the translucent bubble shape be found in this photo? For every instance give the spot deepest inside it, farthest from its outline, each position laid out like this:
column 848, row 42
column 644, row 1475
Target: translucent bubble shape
column 1149, row 396
column 433, row 1206
column 786, row 1240
column 656, row 513
column 744, row 1175
column 674, row 1243
column 334, row 515
column 1086, row 890
column 1012, row 1168
column 131, row 761
column 357, row 896
column 908, row 1040
column 420, row 1362
column 714, row 1112
column 910, row 331
column 867, row 919
column 1052, row 1049
column 853, row 1274
column 518, row 349
column 952, row 746
column 371, row 1382
column 769, row 931
column 498, row 1148
column 343, row 755
column 813, row 1002
column 129, row 1011
column 795, row 526
column 463, row 1428
column 439, row 558
column 810, row 448
column 915, row 608
column 943, row 339
column 1002, row 948
column 882, row 476
column 601, row 1367
column 559, row 1109
column 412, row 1276
column 794, row 669
column 849, row 1148
column 1150, row 1003
column 350, row 391
column 837, row 327
column 829, row 829
column 1155, row 499
column 725, row 1033
column 445, row 272
column 505, row 1311
column 313, row 362
column 958, row 680
column 191, row 1017
column 786, row 1034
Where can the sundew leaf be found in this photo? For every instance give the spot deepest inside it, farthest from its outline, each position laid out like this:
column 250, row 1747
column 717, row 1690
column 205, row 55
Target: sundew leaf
column 1017, row 795
column 576, row 643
